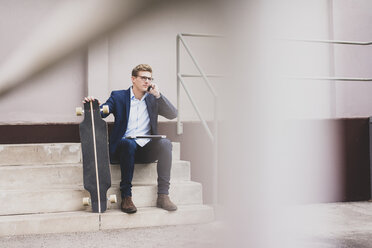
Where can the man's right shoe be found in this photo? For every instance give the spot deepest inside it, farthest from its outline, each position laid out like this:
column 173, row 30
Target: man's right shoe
column 127, row 205
column 164, row 202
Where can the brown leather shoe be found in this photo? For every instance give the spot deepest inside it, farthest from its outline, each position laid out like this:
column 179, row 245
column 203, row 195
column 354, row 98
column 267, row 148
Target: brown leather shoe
column 127, row 206
column 164, row 202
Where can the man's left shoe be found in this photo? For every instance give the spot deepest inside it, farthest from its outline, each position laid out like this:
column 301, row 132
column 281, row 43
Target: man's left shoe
column 127, row 205
column 164, row 202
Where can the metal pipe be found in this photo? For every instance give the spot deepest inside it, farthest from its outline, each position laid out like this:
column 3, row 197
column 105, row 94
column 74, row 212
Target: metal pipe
column 215, row 153
column 208, row 75
column 196, row 108
column 334, row 79
column 202, row 35
column 342, row 42
column 179, row 125
column 198, row 66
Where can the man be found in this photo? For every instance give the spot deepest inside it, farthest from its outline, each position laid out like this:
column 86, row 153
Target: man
column 136, row 112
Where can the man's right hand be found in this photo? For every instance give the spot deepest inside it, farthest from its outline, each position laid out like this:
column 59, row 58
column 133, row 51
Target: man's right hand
column 90, row 99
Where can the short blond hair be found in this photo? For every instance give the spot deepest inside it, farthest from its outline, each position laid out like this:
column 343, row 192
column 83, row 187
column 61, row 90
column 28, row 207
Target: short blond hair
column 141, row 67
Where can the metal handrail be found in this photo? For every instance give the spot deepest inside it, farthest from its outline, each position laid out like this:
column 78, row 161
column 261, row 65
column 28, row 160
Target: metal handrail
column 180, row 82
column 342, row 42
column 337, row 42
column 211, row 88
column 350, row 79
column 196, row 108
column 201, row 35
column 197, row 75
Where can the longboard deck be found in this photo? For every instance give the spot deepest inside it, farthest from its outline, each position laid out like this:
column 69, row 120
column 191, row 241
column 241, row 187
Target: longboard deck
column 91, row 156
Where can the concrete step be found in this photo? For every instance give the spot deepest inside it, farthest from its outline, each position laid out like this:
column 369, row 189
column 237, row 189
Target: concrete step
column 83, row 221
column 40, row 176
column 43, row 176
column 146, row 217
column 48, row 223
column 70, row 199
column 54, row 153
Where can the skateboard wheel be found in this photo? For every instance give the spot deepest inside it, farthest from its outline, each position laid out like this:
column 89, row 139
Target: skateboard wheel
column 105, row 109
column 86, row 201
column 79, row 111
column 113, row 199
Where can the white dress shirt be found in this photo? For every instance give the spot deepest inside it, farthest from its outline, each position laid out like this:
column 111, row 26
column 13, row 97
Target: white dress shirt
column 139, row 120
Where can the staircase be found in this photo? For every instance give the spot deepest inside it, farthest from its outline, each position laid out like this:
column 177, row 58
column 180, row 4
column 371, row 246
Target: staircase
column 41, row 191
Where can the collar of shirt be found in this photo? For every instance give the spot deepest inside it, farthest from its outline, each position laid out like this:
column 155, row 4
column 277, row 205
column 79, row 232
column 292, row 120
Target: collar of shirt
column 132, row 97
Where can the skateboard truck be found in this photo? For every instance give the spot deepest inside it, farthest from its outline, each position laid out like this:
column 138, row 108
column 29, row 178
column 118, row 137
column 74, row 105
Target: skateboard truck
column 88, row 202
column 105, row 109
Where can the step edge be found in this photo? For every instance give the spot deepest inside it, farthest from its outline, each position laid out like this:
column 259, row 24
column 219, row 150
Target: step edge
column 81, row 187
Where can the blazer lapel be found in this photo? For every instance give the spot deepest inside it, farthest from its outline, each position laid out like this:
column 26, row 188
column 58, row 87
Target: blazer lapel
column 127, row 104
column 149, row 106
column 150, row 110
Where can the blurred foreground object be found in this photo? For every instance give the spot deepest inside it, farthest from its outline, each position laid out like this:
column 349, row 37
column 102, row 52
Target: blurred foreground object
column 72, row 25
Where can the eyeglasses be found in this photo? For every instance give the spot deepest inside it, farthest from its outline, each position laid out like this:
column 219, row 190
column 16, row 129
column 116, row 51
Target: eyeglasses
column 146, row 78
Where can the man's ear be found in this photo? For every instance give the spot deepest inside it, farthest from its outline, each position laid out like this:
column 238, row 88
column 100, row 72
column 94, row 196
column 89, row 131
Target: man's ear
column 133, row 78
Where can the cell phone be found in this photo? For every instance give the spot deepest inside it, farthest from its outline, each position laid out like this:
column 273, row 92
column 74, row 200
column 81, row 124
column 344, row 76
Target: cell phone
column 149, row 88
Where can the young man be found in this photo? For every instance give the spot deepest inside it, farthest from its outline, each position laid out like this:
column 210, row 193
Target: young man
column 136, row 112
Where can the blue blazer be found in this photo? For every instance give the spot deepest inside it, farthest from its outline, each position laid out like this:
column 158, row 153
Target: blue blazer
column 119, row 106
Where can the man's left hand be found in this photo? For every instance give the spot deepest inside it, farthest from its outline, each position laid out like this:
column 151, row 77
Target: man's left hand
column 155, row 90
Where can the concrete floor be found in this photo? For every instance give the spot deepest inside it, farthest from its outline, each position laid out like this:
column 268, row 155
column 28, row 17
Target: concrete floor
column 336, row 225
column 197, row 236
column 332, row 225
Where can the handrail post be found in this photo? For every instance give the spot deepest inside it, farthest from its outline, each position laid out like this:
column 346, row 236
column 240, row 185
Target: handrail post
column 213, row 137
column 215, row 153
column 179, row 124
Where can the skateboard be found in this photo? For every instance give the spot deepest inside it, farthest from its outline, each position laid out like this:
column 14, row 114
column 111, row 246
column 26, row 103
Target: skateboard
column 94, row 145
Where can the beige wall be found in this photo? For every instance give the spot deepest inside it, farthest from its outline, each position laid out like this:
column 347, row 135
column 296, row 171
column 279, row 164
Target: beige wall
column 150, row 37
column 49, row 97
column 352, row 21
column 302, row 98
column 52, row 95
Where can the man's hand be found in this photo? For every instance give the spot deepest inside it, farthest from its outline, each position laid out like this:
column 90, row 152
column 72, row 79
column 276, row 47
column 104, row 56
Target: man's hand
column 155, row 90
column 90, row 99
